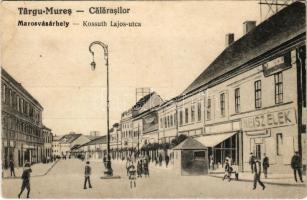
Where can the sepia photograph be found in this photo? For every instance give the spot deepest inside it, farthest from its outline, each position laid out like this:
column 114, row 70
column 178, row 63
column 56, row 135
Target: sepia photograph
column 154, row 99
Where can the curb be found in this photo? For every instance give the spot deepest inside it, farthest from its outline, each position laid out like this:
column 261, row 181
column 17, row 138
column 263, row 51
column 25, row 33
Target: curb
column 39, row 175
column 266, row 182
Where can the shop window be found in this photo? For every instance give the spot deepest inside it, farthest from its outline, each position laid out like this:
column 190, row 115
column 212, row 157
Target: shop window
column 278, row 143
column 278, row 88
column 199, row 155
column 192, row 113
column 257, row 85
column 199, row 111
column 209, row 109
column 222, row 104
column 186, row 115
column 237, row 100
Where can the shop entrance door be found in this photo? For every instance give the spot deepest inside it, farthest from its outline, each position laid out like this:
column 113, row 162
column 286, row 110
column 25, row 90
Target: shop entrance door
column 258, row 151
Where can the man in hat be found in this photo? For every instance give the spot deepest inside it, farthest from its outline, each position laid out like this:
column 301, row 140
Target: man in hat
column 296, row 164
column 87, row 174
column 251, row 161
column 257, row 174
column 25, row 180
column 12, row 168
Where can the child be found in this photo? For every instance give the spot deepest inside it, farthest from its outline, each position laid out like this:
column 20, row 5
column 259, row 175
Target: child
column 228, row 170
column 132, row 174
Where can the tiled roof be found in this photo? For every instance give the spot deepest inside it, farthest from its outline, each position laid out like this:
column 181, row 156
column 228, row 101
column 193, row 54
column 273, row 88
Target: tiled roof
column 99, row 140
column 190, row 144
column 285, row 25
column 69, row 138
column 142, row 101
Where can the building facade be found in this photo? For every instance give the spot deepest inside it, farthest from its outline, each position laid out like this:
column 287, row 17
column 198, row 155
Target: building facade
column 21, row 117
column 251, row 95
column 48, row 139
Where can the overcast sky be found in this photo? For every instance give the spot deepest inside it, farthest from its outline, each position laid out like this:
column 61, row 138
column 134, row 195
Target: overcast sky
column 176, row 42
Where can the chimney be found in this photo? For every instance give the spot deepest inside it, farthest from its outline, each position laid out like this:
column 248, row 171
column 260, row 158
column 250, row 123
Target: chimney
column 229, row 39
column 248, row 26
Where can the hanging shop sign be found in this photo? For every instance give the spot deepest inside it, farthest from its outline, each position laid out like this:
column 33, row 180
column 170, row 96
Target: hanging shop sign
column 276, row 65
column 269, row 120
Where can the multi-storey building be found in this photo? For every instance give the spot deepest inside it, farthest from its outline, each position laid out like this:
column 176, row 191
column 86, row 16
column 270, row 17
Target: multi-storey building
column 251, row 94
column 56, row 148
column 168, row 121
column 21, row 117
column 48, row 137
column 115, row 140
column 132, row 126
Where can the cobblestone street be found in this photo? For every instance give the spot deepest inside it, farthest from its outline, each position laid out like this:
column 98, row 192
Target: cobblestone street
column 65, row 180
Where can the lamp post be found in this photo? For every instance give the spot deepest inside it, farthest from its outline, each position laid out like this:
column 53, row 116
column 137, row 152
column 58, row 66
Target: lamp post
column 108, row 171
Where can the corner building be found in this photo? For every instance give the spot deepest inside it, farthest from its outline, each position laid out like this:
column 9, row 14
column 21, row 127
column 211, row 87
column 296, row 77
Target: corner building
column 252, row 94
column 21, row 118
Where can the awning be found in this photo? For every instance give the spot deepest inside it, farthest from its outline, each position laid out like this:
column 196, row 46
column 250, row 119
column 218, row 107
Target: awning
column 213, row 140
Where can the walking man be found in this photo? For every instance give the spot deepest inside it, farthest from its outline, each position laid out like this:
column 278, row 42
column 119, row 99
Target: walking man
column 12, row 168
column 265, row 165
column 296, row 164
column 166, row 160
column 257, row 174
column 25, row 180
column 160, row 160
column 87, row 174
column 251, row 161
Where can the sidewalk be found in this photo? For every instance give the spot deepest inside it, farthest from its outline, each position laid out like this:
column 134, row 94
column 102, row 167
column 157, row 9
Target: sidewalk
column 274, row 179
column 38, row 169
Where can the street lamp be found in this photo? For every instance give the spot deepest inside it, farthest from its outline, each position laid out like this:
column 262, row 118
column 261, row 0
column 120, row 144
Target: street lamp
column 108, row 170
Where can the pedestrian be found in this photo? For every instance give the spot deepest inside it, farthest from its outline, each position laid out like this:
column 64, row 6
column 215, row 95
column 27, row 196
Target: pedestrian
column 166, row 160
column 128, row 163
column 105, row 161
column 132, row 175
column 157, row 160
column 235, row 170
column 257, row 174
column 265, row 165
column 139, row 168
column 146, row 168
column 25, row 180
column 160, row 160
column 228, row 170
column 12, row 167
column 251, row 161
column 87, row 175
column 211, row 162
column 296, row 164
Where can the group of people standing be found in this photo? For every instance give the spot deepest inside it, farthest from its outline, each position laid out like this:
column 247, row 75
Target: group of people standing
column 255, row 163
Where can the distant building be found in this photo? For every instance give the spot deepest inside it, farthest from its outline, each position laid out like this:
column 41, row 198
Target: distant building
column 48, row 137
column 132, row 123
column 56, row 148
column 21, row 119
